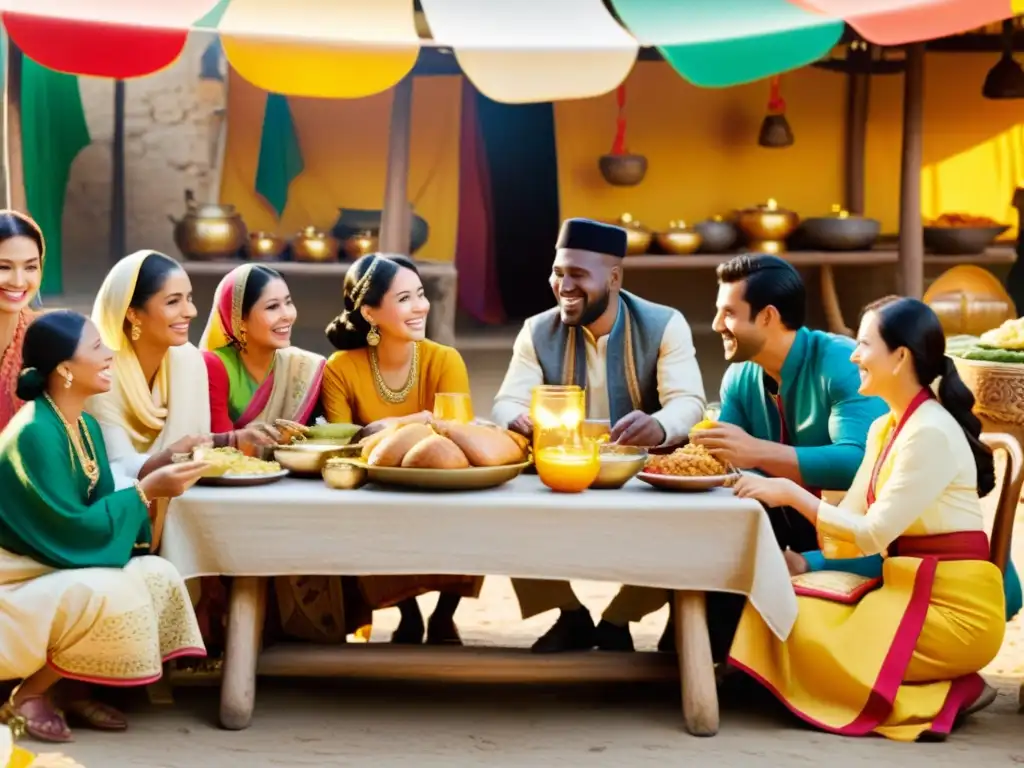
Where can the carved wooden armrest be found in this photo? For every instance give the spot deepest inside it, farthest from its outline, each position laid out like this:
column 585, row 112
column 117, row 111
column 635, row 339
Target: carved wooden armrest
column 1009, row 494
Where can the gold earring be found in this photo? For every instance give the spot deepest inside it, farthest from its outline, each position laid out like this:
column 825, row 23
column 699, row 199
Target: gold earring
column 136, row 331
column 242, row 343
column 68, row 378
column 373, row 336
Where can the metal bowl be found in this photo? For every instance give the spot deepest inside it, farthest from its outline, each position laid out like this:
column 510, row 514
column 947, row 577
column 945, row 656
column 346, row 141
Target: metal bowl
column 716, row 235
column 343, row 474
column 307, row 458
column 623, row 170
column 619, row 465
column 960, row 241
column 679, row 242
column 840, row 233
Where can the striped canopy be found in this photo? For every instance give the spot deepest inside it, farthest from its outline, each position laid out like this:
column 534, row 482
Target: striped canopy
column 513, row 51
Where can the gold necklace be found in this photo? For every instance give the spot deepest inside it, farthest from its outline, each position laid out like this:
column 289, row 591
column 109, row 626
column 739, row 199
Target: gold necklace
column 89, row 464
column 386, row 393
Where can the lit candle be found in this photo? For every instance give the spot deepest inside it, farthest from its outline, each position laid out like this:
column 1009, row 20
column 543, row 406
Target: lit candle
column 567, row 469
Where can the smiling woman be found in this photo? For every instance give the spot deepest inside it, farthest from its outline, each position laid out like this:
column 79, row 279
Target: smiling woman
column 387, row 370
column 22, row 250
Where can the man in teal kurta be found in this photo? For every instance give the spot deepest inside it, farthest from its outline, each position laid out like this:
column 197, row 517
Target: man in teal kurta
column 790, row 402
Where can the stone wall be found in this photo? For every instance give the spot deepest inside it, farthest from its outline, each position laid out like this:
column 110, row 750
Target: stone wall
column 169, row 122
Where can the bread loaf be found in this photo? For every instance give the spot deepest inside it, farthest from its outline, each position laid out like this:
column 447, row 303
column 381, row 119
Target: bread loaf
column 371, row 442
column 435, row 452
column 520, row 440
column 392, row 449
column 484, row 446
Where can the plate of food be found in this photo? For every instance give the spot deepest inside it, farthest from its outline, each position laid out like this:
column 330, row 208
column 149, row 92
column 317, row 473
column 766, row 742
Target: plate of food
column 690, row 468
column 444, row 456
column 231, row 467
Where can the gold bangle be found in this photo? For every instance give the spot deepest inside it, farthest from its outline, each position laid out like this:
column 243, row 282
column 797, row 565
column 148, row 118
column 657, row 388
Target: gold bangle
column 142, row 494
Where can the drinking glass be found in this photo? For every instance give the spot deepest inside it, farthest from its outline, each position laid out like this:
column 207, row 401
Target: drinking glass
column 453, row 406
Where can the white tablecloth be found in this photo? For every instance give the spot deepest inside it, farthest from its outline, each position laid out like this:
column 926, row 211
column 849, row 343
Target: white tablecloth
column 636, row 535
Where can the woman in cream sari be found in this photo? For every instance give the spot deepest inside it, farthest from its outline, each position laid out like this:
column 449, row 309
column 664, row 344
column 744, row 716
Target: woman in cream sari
column 256, row 375
column 159, row 403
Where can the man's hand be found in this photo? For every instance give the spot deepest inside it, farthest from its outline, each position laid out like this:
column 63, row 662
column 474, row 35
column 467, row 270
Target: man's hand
column 522, row 425
column 638, row 428
column 730, row 445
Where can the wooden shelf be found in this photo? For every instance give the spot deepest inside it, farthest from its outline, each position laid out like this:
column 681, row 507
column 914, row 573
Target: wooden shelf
column 876, row 257
column 307, row 269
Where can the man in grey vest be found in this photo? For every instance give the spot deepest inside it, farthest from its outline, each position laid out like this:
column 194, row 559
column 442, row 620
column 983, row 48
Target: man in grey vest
column 637, row 362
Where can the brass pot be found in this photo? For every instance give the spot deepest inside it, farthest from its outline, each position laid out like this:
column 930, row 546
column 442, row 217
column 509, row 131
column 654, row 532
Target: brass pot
column 313, row 245
column 306, row 459
column 265, row 246
column 767, row 226
column 638, row 237
column 679, row 239
column 344, row 474
column 208, row 232
column 360, row 245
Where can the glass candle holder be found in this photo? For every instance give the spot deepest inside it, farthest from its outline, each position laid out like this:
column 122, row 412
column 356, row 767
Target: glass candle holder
column 568, row 468
column 557, row 413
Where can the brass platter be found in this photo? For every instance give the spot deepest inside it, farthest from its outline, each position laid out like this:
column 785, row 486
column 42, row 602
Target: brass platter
column 471, row 479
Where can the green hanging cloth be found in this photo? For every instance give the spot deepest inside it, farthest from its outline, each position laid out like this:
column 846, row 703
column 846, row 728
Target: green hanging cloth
column 53, row 132
column 280, row 159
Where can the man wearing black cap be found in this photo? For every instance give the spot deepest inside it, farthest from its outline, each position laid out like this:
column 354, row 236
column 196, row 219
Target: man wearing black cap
column 637, row 362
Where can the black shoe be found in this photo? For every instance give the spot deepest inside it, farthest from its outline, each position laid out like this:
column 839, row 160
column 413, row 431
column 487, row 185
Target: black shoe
column 667, row 643
column 442, row 632
column 574, row 631
column 611, row 637
column 409, row 632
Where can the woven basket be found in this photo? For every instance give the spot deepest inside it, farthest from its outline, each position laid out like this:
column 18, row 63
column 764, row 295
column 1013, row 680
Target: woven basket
column 998, row 389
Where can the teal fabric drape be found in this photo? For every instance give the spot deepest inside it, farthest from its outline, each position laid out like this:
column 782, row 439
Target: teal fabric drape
column 280, row 159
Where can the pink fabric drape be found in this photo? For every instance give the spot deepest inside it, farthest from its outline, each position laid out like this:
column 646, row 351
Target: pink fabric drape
column 475, row 257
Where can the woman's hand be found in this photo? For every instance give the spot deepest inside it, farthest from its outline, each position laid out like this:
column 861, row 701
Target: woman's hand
column 257, row 436
column 770, row 491
column 172, row 480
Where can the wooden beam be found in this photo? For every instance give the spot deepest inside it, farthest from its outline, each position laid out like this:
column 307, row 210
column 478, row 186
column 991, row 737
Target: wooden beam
column 911, row 269
column 858, row 92
column 118, row 218
column 396, row 216
column 14, row 181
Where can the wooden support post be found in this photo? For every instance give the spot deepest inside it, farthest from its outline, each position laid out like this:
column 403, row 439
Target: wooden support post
column 118, row 233
column 858, row 92
column 396, row 216
column 911, row 263
column 14, row 196
column 246, row 613
column 696, row 666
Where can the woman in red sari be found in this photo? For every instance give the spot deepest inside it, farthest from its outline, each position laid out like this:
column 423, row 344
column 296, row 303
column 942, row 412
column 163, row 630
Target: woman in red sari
column 22, row 250
column 257, row 376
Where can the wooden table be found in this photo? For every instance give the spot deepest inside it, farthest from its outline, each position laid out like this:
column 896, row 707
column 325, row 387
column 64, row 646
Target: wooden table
column 688, row 543
column 440, row 283
column 826, row 261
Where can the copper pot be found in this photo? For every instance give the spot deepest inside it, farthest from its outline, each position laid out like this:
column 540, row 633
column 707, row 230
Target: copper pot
column 360, row 245
column 767, row 226
column 265, row 246
column 313, row 245
column 679, row 239
column 638, row 237
column 207, row 231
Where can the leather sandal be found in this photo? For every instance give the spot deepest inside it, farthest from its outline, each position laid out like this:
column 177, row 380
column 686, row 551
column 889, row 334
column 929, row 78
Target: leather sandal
column 36, row 717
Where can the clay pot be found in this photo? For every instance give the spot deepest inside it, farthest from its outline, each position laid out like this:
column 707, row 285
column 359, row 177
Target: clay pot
column 840, row 231
column 717, row 235
column 355, row 221
column 623, row 170
column 208, row 232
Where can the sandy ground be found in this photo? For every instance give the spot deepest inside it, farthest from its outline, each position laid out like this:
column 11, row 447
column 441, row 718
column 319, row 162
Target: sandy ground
column 342, row 723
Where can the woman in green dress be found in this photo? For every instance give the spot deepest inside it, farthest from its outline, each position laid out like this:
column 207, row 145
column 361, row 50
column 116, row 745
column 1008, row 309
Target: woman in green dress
column 80, row 597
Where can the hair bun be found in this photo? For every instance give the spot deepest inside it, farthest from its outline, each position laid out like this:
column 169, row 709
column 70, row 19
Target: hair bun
column 31, row 384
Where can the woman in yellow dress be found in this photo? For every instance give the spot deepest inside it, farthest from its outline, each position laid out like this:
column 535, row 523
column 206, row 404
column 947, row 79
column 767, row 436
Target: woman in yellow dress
column 386, row 369
column 898, row 656
column 80, row 597
column 22, row 251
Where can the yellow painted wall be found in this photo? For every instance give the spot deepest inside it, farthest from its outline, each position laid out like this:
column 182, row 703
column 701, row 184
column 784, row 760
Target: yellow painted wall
column 703, row 156
column 344, row 146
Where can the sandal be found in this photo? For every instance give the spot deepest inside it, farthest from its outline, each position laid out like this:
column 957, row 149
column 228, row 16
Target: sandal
column 36, row 717
column 96, row 715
